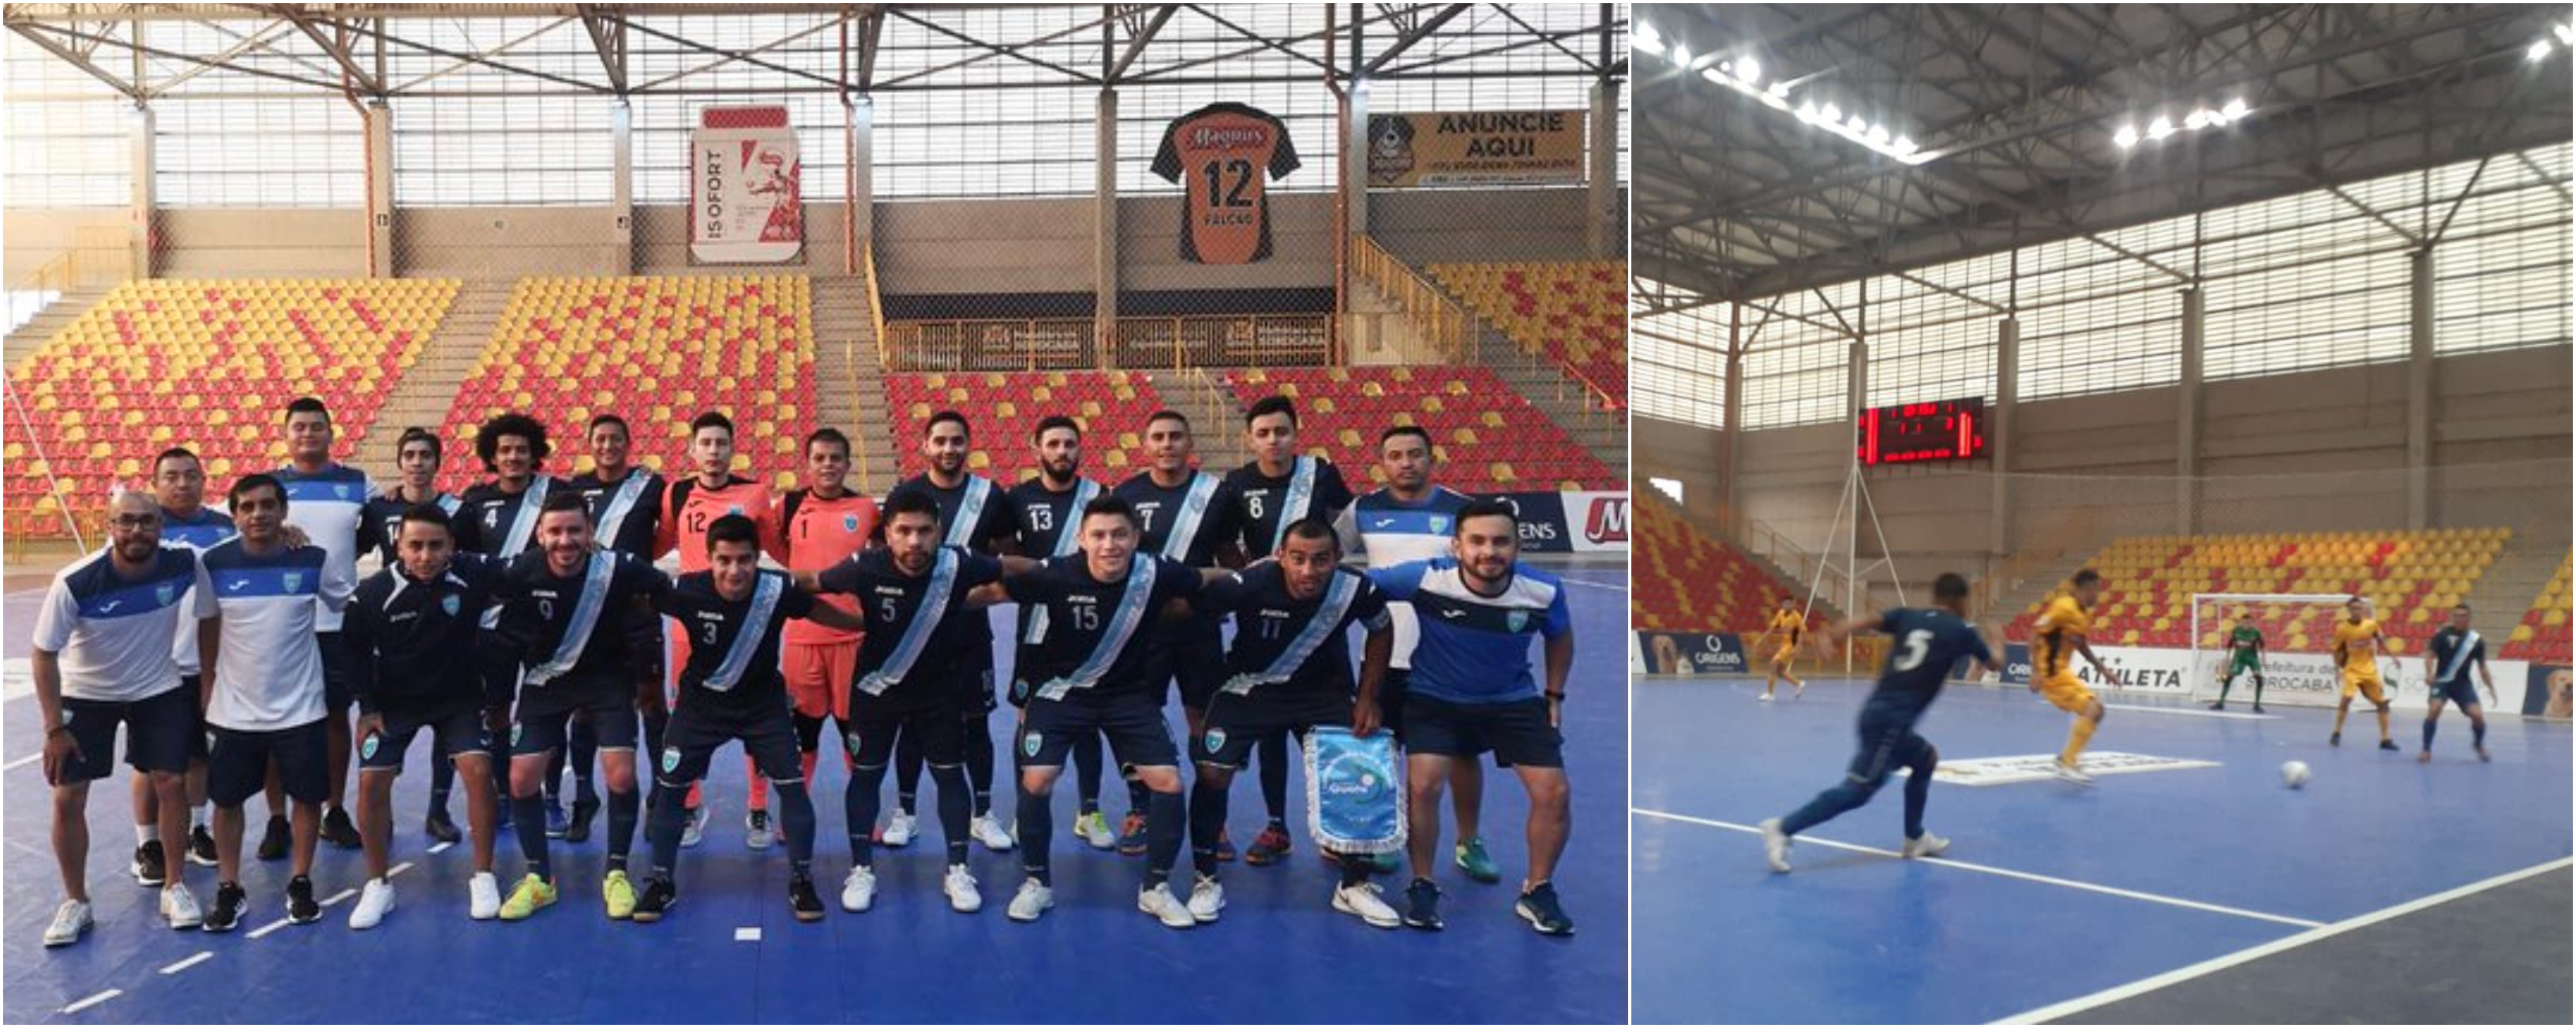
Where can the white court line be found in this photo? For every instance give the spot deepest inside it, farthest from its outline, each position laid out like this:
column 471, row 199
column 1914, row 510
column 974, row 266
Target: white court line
column 397, row 869
column 2321, row 932
column 23, row 761
column 340, row 895
column 2000, row 872
column 202, row 956
column 440, row 848
column 269, row 927
column 81, row 1005
column 746, row 934
column 2192, row 712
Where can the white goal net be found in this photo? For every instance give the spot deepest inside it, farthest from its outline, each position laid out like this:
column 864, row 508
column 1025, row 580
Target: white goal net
column 2296, row 656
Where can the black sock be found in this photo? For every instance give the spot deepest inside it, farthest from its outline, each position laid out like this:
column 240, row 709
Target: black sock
column 1037, row 828
column 555, row 772
column 662, row 831
column 621, row 826
column 2428, row 735
column 1918, row 791
column 2225, row 684
column 1086, row 771
column 2258, row 689
column 1355, row 869
column 442, row 781
column 1164, row 814
column 953, row 812
column 2478, row 734
column 979, row 761
column 1273, row 754
column 1207, row 819
column 797, row 811
column 585, row 755
column 528, row 815
column 859, row 805
column 907, row 771
column 1137, row 795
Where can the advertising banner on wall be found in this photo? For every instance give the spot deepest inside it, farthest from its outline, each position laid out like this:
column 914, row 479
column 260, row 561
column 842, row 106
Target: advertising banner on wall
column 1691, row 653
column 1475, row 148
column 745, row 206
column 1597, row 522
column 2298, row 679
column 2545, row 691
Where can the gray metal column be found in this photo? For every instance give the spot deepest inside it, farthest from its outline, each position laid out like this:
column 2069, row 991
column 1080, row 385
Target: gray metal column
column 2419, row 390
column 1602, row 224
column 1355, row 189
column 2187, row 414
column 139, row 205
column 861, row 125
column 621, row 203
column 379, row 128
column 1733, row 416
column 1999, row 439
column 1104, row 232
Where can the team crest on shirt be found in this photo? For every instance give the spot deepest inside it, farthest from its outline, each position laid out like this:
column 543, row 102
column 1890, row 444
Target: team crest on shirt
column 1029, row 742
column 450, row 604
column 670, row 759
column 517, row 730
column 340, row 490
column 850, row 523
column 851, row 739
column 733, row 508
column 165, row 594
column 1440, row 523
column 294, row 580
column 1517, row 620
column 367, row 750
column 1215, row 739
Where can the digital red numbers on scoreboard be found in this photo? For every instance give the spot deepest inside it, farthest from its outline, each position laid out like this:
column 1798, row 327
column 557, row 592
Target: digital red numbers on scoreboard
column 1907, row 432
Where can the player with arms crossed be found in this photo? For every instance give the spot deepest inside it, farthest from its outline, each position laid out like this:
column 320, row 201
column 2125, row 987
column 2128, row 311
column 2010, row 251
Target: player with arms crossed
column 2446, row 672
column 1930, row 641
column 2356, row 650
column 2055, row 639
column 1791, row 627
column 2244, row 654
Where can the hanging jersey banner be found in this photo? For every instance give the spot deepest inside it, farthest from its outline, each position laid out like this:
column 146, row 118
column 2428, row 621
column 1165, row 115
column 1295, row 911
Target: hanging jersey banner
column 1475, row 148
column 744, row 204
column 1223, row 156
column 1352, row 792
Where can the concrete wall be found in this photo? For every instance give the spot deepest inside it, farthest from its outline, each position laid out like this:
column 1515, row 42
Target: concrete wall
column 29, row 239
column 1430, row 225
column 1672, row 449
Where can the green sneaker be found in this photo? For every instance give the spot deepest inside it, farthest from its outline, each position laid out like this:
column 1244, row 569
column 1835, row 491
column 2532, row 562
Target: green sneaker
column 1478, row 864
column 620, row 895
column 532, row 895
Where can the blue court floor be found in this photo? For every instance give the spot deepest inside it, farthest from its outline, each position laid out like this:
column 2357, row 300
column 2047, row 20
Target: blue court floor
column 2049, row 892
column 1279, row 954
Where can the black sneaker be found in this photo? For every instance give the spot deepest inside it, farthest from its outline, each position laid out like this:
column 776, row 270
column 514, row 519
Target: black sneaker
column 440, row 828
column 659, row 897
column 2220, row 705
column 1538, row 907
column 2335, row 739
column 2258, row 708
column 274, row 840
column 802, row 900
column 1422, row 905
column 201, row 847
column 2388, row 744
column 149, row 869
column 226, row 913
column 578, row 830
column 300, row 907
column 338, row 830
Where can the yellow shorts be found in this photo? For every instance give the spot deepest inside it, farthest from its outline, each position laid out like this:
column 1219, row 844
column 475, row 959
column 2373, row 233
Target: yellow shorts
column 2365, row 683
column 1786, row 653
column 819, row 677
column 2066, row 692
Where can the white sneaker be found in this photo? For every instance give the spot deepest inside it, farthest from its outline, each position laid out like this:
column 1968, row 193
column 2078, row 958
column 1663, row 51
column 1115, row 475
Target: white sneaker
column 2071, row 774
column 373, row 904
column 180, row 907
column 695, row 831
column 70, row 920
column 859, row 890
column 899, row 830
column 1166, row 907
column 1766, row 697
column 990, row 833
column 963, row 897
column 757, row 832
column 1033, row 899
column 1924, row 845
column 1775, row 845
column 1362, row 901
column 484, row 891
column 1093, row 830
column 1207, row 899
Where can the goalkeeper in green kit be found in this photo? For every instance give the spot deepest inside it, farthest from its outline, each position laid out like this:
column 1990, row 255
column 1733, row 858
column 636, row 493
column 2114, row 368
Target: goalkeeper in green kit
column 2244, row 653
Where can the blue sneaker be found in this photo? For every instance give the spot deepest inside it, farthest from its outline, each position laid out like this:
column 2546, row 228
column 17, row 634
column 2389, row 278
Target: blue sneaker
column 1539, row 907
column 556, row 823
column 1131, row 835
column 1422, row 905
column 1478, row 864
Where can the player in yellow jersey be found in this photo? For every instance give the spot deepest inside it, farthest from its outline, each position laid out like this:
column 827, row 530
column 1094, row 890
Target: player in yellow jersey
column 2357, row 645
column 1791, row 627
column 2055, row 640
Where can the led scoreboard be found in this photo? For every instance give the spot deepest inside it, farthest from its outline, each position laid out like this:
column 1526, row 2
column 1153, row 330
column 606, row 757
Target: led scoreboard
column 1908, row 432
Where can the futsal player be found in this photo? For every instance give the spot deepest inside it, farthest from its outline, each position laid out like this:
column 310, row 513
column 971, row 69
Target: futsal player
column 1928, row 642
column 1044, row 509
column 406, row 628
column 1791, row 627
column 102, row 657
column 179, row 488
column 418, row 453
column 2446, row 671
column 329, row 500
column 820, row 526
column 1289, row 670
column 1277, row 488
column 2244, row 654
column 1412, row 518
column 1472, row 691
column 498, row 519
column 1186, row 515
column 566, row 613
column 2056, row 638
column 731, row 690
column 2356, row 649
column 265, row 692
column 977, row 517
column 689, row 506
column 625, row 501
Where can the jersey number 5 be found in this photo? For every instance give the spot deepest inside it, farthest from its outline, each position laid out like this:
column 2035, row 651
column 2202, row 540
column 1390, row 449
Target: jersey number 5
column 1918, row 644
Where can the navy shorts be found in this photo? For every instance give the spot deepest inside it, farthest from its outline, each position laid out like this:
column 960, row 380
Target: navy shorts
column 1887, row 742
column 698, row 729
column 1516, row 732
column 1133, row 723
column 456, row 730
column 337, row 691
column 2460, row 692
column 160, row 733
column 1238, row 722
column 1390, row 700
column 545, row 714
column 1190, row 652
column 930, row 715
column 237, row 763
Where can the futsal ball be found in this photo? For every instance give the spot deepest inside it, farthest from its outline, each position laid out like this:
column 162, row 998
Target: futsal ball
column 2294, row 774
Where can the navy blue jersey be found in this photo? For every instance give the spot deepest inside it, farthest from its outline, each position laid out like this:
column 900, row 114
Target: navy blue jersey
column 1186, row 522
column 1083, row 612
column 1045, row 519
column 384, row 518
column 1271, row 627
column 486, row 517
column 891, row 601
column 405, row 636
column 2454, row 651
column 1312, row 488
column 537, row 608
column 623, row 525
column 726, row 669
column 1927, row 645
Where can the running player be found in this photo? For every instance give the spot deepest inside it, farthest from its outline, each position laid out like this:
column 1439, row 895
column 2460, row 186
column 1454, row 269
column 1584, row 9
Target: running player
column 689, row 506
column 264, row 687
column 1791, row 627
column 1186, row 515
column 2356, row 650
column 1045, row 508
column 1278, row 488
column 1472, row 691
column 405, row 627
column 102, row 658
column 731, row 690
column 498, row 519
column 566, row 618
column 820, row 526
column 2244, row 654
column 417, row 455
column 977, row 517
column 179, row 486
column 2055, row 639
column 1929, row 643
column 329, row 500
column 1092, row 676
column 1289, row 670
column 1410, row 519
column 2446, row 672
column 626, row 507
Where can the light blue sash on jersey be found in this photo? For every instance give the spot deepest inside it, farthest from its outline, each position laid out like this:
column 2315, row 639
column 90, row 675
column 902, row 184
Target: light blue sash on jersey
column 2460, row 657
column 1067, row 535
column 1122, row 626
column 524, row 523
column 970, row 510
column 1352, row 792
column 585, row 616
column 917, row 635
column 765, row 588
column 1320, row 626
column 449, row 502
column 1185, row 525
column 622, row 503
column 1301, row 492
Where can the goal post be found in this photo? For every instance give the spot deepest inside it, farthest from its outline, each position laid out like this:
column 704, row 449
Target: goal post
column 2297, row 659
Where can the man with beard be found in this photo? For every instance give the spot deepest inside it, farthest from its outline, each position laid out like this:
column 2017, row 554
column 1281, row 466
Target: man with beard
column 1045, row 508
column 498, row 519
column 1186, row 515
column 975, row 516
